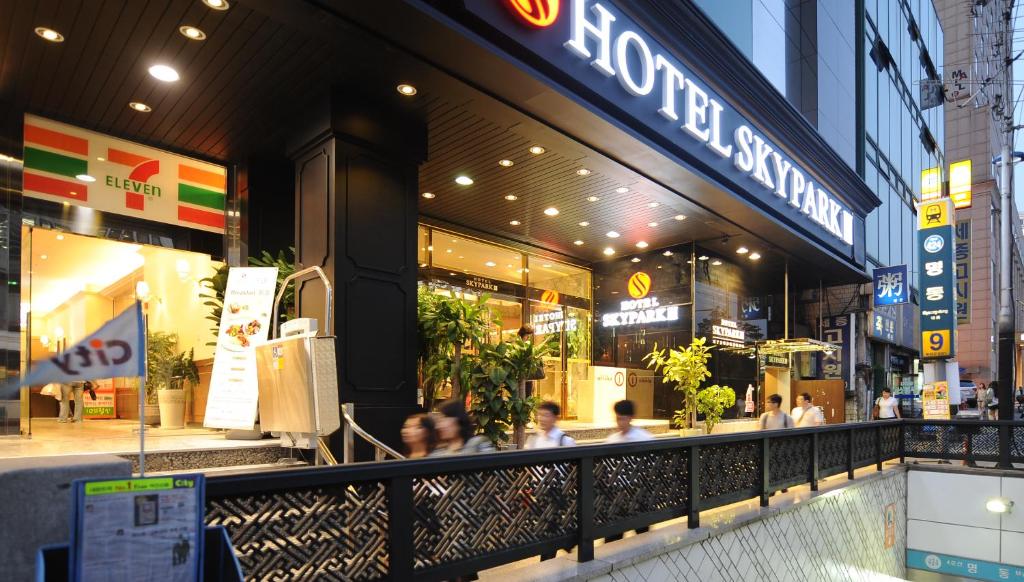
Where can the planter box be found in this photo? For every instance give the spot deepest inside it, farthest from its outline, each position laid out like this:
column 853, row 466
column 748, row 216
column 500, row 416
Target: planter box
column 197, row 406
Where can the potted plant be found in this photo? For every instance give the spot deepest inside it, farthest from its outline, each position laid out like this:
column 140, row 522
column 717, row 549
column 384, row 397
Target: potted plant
column 446, row 325
column 525, row 361
column 160, row 358
column 176, row 397
column 712, row 402
column 497, row 404
column 687, row 368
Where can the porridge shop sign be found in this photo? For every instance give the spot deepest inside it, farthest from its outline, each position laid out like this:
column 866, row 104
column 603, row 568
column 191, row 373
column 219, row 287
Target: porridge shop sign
column 70, row 165
column 599, row 46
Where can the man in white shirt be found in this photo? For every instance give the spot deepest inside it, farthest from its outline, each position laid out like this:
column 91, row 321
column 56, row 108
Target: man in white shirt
column 549, row 435
column 627, row 433
column 806, row 414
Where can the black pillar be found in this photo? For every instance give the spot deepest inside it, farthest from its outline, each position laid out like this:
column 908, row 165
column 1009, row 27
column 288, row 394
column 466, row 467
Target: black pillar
column 356, row 166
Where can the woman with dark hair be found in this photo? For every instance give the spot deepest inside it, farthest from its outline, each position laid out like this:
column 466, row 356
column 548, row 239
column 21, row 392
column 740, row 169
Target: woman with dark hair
column 419, row 436
column 455, row 432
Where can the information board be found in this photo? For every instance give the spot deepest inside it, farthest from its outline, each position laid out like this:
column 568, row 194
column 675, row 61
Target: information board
column 935, row 400
column 135, row 530
column 937, row 279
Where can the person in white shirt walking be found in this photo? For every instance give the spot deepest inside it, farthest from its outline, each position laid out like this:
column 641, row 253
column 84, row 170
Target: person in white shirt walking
column 549, row 435
column 774, row 418
column 887, row 407
column 625, row 410
column 806, row 413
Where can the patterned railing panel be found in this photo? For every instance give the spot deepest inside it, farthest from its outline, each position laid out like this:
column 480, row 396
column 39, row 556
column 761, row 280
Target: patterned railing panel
column 984, row 440
column 931, row 440
column 863, row 446
column 890, row 441
column 1017, row 444
column 833, row 452
column 790, row 458
column 464, row 515
column 323, row 533
column 625, row 486
column 728, row 469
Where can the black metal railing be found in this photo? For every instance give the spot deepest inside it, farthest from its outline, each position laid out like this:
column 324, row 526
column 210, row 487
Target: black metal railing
column 434, row 519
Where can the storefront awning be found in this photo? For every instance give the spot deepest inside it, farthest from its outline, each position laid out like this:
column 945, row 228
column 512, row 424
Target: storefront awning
column 783, row 347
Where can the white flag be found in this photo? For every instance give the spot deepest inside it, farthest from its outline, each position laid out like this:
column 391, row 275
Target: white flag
column 116, row 350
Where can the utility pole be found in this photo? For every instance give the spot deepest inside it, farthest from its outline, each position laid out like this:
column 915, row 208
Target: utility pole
column 1006, row 346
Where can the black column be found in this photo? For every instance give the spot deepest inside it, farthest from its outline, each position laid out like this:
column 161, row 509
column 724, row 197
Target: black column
column 356, row 170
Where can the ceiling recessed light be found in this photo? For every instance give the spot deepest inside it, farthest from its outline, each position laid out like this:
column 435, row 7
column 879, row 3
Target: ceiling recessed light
column 43, row 257
column 546, row 265
column 137, row 106
column 509, row 266
column 505, row 163
column 653, row 205
column 592, row 198
column 583, row 172
column 428, row 195
column 164, row 73
column 622, row 190
column 641, row 245
column 609, row 251
column 514, row 222
column 612, row 234
column 85, row 178
column 578, row 243
column 537, row 150
column 430, row 248
column 511, row 197
column 635, row 260
column 667, row 253
column 652, row 224
column 49, row 34
column 584, row 223
column 742, row 251
column 491, row 264
column 702, row 258
column 101, row 159
column 406, row 89
column 463, row 180
column 461, row 257
column 217, row 4
column 680, row 217
column 447, row 250
column 552, row 211
column 192, row 33
column 60, row 237
column 755, row 256
column 716, row 262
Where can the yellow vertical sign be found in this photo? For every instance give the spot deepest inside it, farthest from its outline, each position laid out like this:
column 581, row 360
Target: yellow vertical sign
column 960, row 183
column 931, row 184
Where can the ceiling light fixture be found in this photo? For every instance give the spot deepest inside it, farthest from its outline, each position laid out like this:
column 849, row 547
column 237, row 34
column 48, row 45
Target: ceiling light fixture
column 463, row 180
column 43, row 257
column 49, row 34
column 407, row 89
column 622, row 190
column 635, row 260
column 491, row 264
column 141, row 107
column 546, row 265
column 592, row 198
column 583, row 172
column 999, row 505
column 755, row 256
column 578, row 243
column 85, row 178
column 514, row 222
column 612, row 234
column 552, row 211
column 716, row 262
column 192, row 33
column 506, row 163
column 101, row 159
column 680, row 217
column 667, row 253
column 428, row 195
column 537, row 150
column 217, row 4
column 641, row 245
column 609, row 251
column 742, row 251
column 511, row 197
column 60, row 237
column 702, row 258
column 652, row 224
column 584, row 223
column 164, row 73
column 653, row 205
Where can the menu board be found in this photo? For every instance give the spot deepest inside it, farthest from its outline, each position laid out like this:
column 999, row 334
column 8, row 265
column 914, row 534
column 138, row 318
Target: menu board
column 935, row 400
column 103, row 405
column 244, row 322
column 149, row 528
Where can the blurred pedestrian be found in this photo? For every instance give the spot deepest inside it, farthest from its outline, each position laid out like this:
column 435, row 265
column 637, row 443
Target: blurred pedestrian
column 66, row 391
column 982, row 395
column 419, row 436
column 455, row 432
column 774, row 418
column 625, row 410
column 548, row 434
column 806, row 413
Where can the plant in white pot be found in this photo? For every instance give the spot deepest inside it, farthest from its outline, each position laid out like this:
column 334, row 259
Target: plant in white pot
column 162, row 401
column 174, row 400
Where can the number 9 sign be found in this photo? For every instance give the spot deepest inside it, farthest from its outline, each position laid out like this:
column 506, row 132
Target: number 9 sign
column 935, row 344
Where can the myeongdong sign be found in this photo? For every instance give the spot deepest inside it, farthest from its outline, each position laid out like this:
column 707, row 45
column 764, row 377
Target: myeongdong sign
column 625, row 65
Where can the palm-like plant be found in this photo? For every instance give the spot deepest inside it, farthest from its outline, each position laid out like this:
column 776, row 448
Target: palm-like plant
column 446, row 326
column 525, row 360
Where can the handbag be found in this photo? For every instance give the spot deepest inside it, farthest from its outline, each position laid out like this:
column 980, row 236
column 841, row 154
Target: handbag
column 876, row 410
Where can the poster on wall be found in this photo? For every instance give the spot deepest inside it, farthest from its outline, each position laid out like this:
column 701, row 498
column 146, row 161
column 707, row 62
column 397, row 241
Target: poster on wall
column 71, row 165
column 935, row 400
column 244, row 322
column 102, row 406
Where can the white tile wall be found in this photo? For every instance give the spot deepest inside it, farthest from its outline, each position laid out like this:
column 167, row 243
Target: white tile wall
column 951, row 498
column 1013, row 548
column 955, row 540
column 1014, row 521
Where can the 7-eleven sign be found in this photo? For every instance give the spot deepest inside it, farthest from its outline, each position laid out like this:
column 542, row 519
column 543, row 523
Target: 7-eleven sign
column 67, row 164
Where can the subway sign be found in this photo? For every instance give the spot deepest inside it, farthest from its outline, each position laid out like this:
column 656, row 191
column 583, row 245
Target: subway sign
column 597, row 45
column 936, row 279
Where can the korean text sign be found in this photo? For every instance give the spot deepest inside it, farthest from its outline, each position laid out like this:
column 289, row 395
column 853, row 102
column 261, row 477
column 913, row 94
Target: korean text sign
column 891, row 285
column 936, row 280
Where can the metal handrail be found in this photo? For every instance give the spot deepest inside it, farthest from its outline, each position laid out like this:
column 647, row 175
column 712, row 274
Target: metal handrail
column 351, row 426
column 328, row 303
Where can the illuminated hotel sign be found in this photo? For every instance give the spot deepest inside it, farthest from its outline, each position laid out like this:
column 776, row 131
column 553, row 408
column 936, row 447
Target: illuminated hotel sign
column 553, row 322
column 651, row 80
column 637, row 311
column 728, row 333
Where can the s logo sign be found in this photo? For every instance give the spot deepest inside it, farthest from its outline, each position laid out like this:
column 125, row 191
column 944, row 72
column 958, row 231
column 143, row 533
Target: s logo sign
column 539, row 13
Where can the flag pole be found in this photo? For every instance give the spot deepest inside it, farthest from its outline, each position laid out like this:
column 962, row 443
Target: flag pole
column 144, row 342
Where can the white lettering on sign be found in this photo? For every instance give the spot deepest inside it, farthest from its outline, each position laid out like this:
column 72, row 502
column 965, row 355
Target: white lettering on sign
column 626, row 55
column 637, row 311
column 553, row 322
column 728, row 333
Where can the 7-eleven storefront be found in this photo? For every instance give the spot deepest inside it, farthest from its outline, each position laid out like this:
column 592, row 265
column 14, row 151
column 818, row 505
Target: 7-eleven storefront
column 104, row 222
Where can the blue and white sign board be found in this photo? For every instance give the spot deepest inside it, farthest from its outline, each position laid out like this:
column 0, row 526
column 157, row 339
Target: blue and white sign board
column 963, row 567
column 136, row 530
column 891, row 285
column 839, row 331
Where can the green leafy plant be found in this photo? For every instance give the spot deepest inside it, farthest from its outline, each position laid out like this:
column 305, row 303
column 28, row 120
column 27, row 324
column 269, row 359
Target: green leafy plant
column 184, row 370
column 687, row 368
column 712, row 402
column 285, row 269
column 160, row 362
column 524, row 361
column 215, row 286
column 446, row 325
column 497, row 386
column 578, row 340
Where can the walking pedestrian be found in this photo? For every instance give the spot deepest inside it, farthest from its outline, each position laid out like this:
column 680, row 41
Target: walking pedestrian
column 981, row 394
column 549, row 435
column 806, row 413
column 419, row 436
column 455, row 432
column 66, row 391
column 993, row 400
column 887, row 407
column 625, row 410
column 774, row 418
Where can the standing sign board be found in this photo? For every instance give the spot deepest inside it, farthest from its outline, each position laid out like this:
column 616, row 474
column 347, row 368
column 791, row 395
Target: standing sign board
column 935, row 400
column 244, row 321
column 148, row 528
column 891, row 285
column 937, row 279
column 71, row 165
